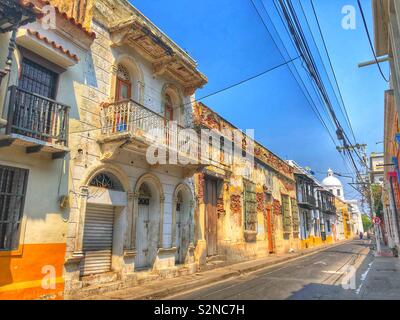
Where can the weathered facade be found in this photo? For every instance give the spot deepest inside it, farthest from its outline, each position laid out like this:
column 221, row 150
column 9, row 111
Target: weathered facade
column 137, row 79
column 343, row 218
column 35, row 103
column 387, row 42
column 243, row 216
column 88, row 203
column 316, row 208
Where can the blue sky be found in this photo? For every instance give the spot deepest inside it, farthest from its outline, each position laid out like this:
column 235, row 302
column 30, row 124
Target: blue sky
column 229, row 42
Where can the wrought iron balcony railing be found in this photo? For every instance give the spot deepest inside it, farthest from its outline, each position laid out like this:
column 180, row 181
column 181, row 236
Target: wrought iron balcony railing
column 37, row 117
column 128, row 116
column 304, row 198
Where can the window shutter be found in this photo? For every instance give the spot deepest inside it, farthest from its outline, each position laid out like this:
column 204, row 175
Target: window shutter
column 287, row 223
column 250, row 207
column 295, row 218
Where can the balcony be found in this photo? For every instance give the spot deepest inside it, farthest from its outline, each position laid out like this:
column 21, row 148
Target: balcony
column 37, row 123
column 305, row 192
column 136, row 127
column 306, row 200
column 326, row 202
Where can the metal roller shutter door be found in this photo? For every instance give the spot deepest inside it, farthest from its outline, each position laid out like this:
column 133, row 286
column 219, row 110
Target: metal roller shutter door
column 97, row 239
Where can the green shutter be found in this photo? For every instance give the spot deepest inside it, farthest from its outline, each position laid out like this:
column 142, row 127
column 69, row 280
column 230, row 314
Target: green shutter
column 287, row 221
column 250, row 200
column 295, row 217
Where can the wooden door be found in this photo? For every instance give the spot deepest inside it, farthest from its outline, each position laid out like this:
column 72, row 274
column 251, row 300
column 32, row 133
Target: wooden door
column 211, row 196
column 270, row 231
column 123, row 90
column 142, row 234
column 182, row 232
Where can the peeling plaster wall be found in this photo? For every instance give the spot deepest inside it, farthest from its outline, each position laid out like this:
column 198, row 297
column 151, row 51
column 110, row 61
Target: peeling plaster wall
column 232, row 244
column 98, row 88
column 44, row 225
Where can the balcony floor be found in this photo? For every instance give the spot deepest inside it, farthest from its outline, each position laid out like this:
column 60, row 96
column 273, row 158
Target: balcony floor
column 33, row 145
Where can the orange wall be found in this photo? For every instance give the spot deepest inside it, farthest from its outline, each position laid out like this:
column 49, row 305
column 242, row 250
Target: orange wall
column 21, row 272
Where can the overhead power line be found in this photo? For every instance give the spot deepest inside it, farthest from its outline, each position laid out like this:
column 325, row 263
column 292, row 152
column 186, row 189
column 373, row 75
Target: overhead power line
column 306, row 94
column 370, row 41
column 301, row 43
column 215, row 92
column 343, row 105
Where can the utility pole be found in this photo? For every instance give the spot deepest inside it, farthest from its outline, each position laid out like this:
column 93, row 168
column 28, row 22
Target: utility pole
column 366, row 186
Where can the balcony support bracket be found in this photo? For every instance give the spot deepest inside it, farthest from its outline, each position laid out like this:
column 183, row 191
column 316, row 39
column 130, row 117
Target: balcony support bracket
column 110, row 150
column 6, row 142
column 59, row 155
column 34, row 149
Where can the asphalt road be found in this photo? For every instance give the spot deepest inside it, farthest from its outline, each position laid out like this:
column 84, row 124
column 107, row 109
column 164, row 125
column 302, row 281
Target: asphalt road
column 319, row 276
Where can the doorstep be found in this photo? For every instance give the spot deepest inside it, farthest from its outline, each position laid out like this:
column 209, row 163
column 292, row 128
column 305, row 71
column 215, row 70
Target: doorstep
column 163, row 288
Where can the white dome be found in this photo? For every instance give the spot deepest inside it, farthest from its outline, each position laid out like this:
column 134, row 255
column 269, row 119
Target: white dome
column 331, row 181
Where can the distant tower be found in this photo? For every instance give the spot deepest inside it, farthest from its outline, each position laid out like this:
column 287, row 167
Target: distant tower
column 333, row 184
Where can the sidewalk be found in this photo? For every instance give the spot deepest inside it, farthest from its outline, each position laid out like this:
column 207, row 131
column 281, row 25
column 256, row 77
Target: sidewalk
column 381, row 281
column 164, row 288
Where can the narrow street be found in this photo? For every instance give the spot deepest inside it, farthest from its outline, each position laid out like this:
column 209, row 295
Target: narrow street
column 317, row 276
column 253, row 156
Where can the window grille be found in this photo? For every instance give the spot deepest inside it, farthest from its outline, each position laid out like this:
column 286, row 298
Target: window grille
column 123, row 73
column 107, row 181
column 13, row 183
column 37, row 79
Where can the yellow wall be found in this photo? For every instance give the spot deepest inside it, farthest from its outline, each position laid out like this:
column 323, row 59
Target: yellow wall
column 343, row 208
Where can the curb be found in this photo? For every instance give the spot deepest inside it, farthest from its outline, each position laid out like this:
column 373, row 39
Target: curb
column 197, row 284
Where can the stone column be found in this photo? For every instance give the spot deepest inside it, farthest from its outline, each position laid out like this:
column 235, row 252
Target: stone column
column 84, row 194
column 160, row 239
column 192, row 223
column 135, row 213
column 128, row 243
column 173, row 227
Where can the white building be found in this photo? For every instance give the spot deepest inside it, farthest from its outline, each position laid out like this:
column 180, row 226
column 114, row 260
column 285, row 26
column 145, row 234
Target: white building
column 356, row 216
column 333, row 184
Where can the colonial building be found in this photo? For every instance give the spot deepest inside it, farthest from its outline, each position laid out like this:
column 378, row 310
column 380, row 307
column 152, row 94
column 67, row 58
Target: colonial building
column 344, row 222
column 101, row 182
column 130, row 219
column 43, row 65
column 243, row 214
column 316, row 207
column 356, row 215
column 387, row 42
column 79, row 108
column 377, row 168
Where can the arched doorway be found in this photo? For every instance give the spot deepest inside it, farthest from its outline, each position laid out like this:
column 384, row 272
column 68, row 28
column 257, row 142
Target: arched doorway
column 99, row 221
column 183, row 222
column 148, row 221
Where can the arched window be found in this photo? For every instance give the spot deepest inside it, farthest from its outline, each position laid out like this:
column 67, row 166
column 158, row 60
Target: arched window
column 144, row 194
column 106, row 181
column 124, row 84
